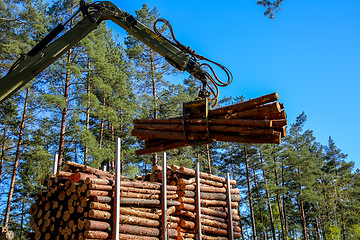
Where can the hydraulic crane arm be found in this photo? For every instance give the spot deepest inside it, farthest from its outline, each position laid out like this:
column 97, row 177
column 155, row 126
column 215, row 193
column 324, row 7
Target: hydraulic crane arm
column 45, row 53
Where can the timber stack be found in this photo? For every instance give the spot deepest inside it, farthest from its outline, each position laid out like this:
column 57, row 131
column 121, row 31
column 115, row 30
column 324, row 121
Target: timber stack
column 214, row 209
column 78, row 204
column 258, row 120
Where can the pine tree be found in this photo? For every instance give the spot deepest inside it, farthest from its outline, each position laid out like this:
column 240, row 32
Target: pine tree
column 267, row 188
column 300, row 154
column 109, row 100
column 61, row 80
column 336, row 179
column 150, row 69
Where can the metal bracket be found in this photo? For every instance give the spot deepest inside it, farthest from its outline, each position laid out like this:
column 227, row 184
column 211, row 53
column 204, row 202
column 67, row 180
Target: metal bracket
column 198, row 108
column 84, row 8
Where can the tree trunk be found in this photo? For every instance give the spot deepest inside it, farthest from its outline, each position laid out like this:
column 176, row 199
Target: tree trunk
column 253, row 226
column 22, row 217
column 278, row 199
column 110, row 133
column 260, row 210
column 268, row 198
column 112, row 166
column 102, row 126
column 284, row 201
column 17, row 157
column 318, row 228
column 343, row 229
column 208, row 157
column 301, row 208
column 3, row 151
column 121, row 139
column 153, row 78
column 87, row 118
column 64, row 112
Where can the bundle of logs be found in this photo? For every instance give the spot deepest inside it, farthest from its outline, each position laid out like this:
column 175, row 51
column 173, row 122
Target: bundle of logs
column 214, row 211
column 259, row 120
column 78, row 204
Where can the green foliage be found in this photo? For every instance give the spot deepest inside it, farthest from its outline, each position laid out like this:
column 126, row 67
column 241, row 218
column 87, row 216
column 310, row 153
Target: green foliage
column 272, row 7
column 333, row 232
column 110, row 84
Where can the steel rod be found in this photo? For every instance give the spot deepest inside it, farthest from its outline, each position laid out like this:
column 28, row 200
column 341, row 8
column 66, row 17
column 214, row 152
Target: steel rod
column 198, row 200
column 56, row 163
column 230, row 220
column 117, row 191
column 164, row 199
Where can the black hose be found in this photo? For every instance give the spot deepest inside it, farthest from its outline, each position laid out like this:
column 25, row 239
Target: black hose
column 47, row 39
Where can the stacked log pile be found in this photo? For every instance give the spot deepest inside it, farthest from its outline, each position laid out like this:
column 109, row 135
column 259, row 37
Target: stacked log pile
column 78, row 204
column 214, row 210
column 259, row 120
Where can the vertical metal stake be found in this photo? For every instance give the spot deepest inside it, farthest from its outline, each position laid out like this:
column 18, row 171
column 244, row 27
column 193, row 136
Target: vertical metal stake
column 117, row 191
column 164, row 199
column 56, row 163
column 230, row 219
column 198, row 200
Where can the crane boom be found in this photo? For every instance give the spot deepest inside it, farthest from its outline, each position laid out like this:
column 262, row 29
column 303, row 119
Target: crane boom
column 45, row 53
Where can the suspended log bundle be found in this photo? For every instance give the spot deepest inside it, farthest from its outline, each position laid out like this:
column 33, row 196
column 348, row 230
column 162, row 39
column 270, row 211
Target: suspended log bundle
column 259, row 120
column 78, row 204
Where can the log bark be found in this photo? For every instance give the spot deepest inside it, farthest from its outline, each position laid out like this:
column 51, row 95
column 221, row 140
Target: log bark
column 100, row 206
column 144, row 184
column 94, row 171
column 100, row 181
column 272, row 138
column 203, row 188
column 94, row 186
column 146, row 202
column 144, row 124
column 218, row 231
column 145, row 222
column 102, row 199
column 96, row 234
column 136, row 237
column 128, row 211
column 90, row 193
column 248, row 135
column 97, row 214
column 97, row 225
column 245, row 105
column 257, row 128
column 137, row 230
column 260, row 112
column 162, row 147
column 210, row 196
column 73, row 165
column 221, row 214
column 207, row 176
column 79, row 176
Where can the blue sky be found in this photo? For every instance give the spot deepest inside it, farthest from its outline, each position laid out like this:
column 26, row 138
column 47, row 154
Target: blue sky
column 309, row 54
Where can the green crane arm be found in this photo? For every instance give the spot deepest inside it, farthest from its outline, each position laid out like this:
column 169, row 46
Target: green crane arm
column 45, row 53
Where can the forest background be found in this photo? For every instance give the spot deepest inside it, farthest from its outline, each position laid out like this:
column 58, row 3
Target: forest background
column 301, row 189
